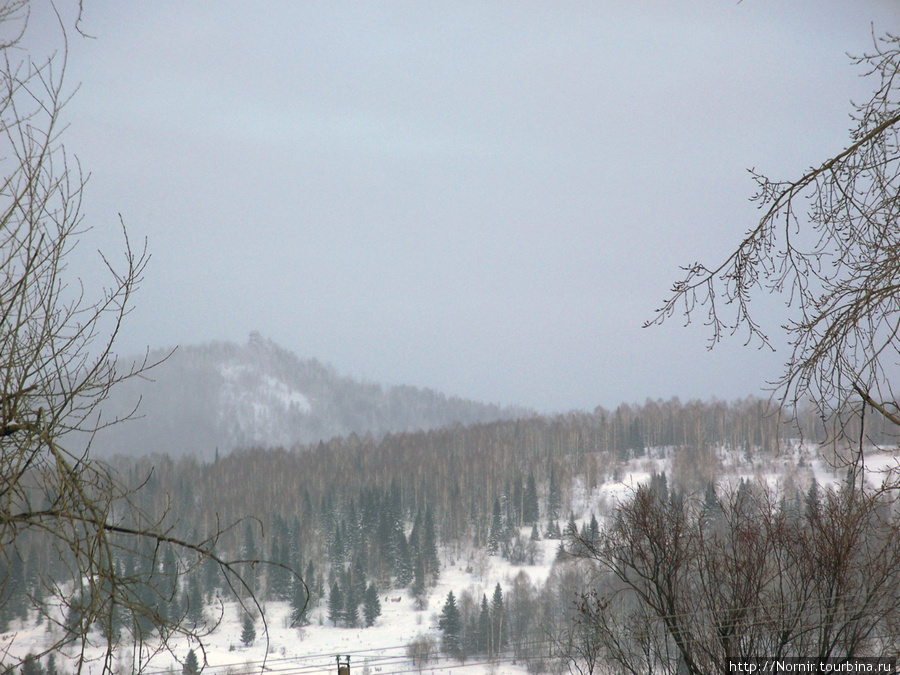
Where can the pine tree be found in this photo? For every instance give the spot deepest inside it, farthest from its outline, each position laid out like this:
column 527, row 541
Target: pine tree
column 496, row 534
column 248, row 633
column 530, row 507
column 415, row 537
column 300, row 604
column 554, row 498
column 336, row 550
column 352, row 533
column 385, row 544
column 553, row 530
column 571, row 527
column 710, row 499
column 812, row 501
column 358, row 578
column 147, row 598
column 659, row 485
column 211, row 573
column 250, row 553
column 450, row 623
column 294, row 552
column 583, row 535
column 562, row 553
column 403, row 563
column 372, row 605
column 310, row 576
column 418, row 587
column 594, row 529
column 483, row 633
column 335, row 604
column 280, row 575
column 31, row 666
column 743, row 493
column 498, row 622
column 191, row 664
column 429, row 547
column 194, row 602
column 351, row 607
column 636, row 437
column 711, row 506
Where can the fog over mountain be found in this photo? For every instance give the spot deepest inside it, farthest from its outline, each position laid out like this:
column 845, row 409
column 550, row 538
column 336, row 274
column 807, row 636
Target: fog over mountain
column 222, row 396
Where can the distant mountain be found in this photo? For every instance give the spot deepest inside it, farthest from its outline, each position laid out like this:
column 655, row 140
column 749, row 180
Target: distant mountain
column 222, row 396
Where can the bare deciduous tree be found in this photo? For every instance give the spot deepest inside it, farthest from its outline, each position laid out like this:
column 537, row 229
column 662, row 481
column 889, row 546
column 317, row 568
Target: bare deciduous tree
column 748, row 577
column 684, row 588
column 828, row 242
column 56, row 367
column 421, row 651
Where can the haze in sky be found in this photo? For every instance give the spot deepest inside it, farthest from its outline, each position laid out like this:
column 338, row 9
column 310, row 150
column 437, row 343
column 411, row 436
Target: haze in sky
column 487, row 199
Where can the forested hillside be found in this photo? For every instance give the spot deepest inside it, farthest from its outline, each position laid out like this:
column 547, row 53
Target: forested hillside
column 458, row 472
column 422, row 517
column 221, row 396
column 373, row 503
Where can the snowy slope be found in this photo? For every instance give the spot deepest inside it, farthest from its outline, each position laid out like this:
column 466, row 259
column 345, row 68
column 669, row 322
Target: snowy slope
column 221, row 396
column 382, row 648
column 313, row 649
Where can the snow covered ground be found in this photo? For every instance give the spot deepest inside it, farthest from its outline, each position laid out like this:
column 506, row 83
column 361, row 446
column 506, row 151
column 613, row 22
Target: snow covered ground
column 381, row 649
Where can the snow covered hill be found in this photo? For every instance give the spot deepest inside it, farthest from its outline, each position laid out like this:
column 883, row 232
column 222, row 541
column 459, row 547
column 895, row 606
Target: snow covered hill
column 221, row 396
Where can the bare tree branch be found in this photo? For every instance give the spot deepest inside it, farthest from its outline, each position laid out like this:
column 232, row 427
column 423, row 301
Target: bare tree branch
column 828, row 243
column 57, row 365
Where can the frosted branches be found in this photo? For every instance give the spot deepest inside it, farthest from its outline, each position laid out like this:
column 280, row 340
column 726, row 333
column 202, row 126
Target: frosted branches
column 828, row 242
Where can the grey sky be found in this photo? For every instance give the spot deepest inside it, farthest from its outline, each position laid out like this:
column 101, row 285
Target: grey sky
column 483, row 198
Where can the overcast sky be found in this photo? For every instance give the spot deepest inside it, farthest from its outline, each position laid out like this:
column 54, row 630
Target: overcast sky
column 487, row 199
